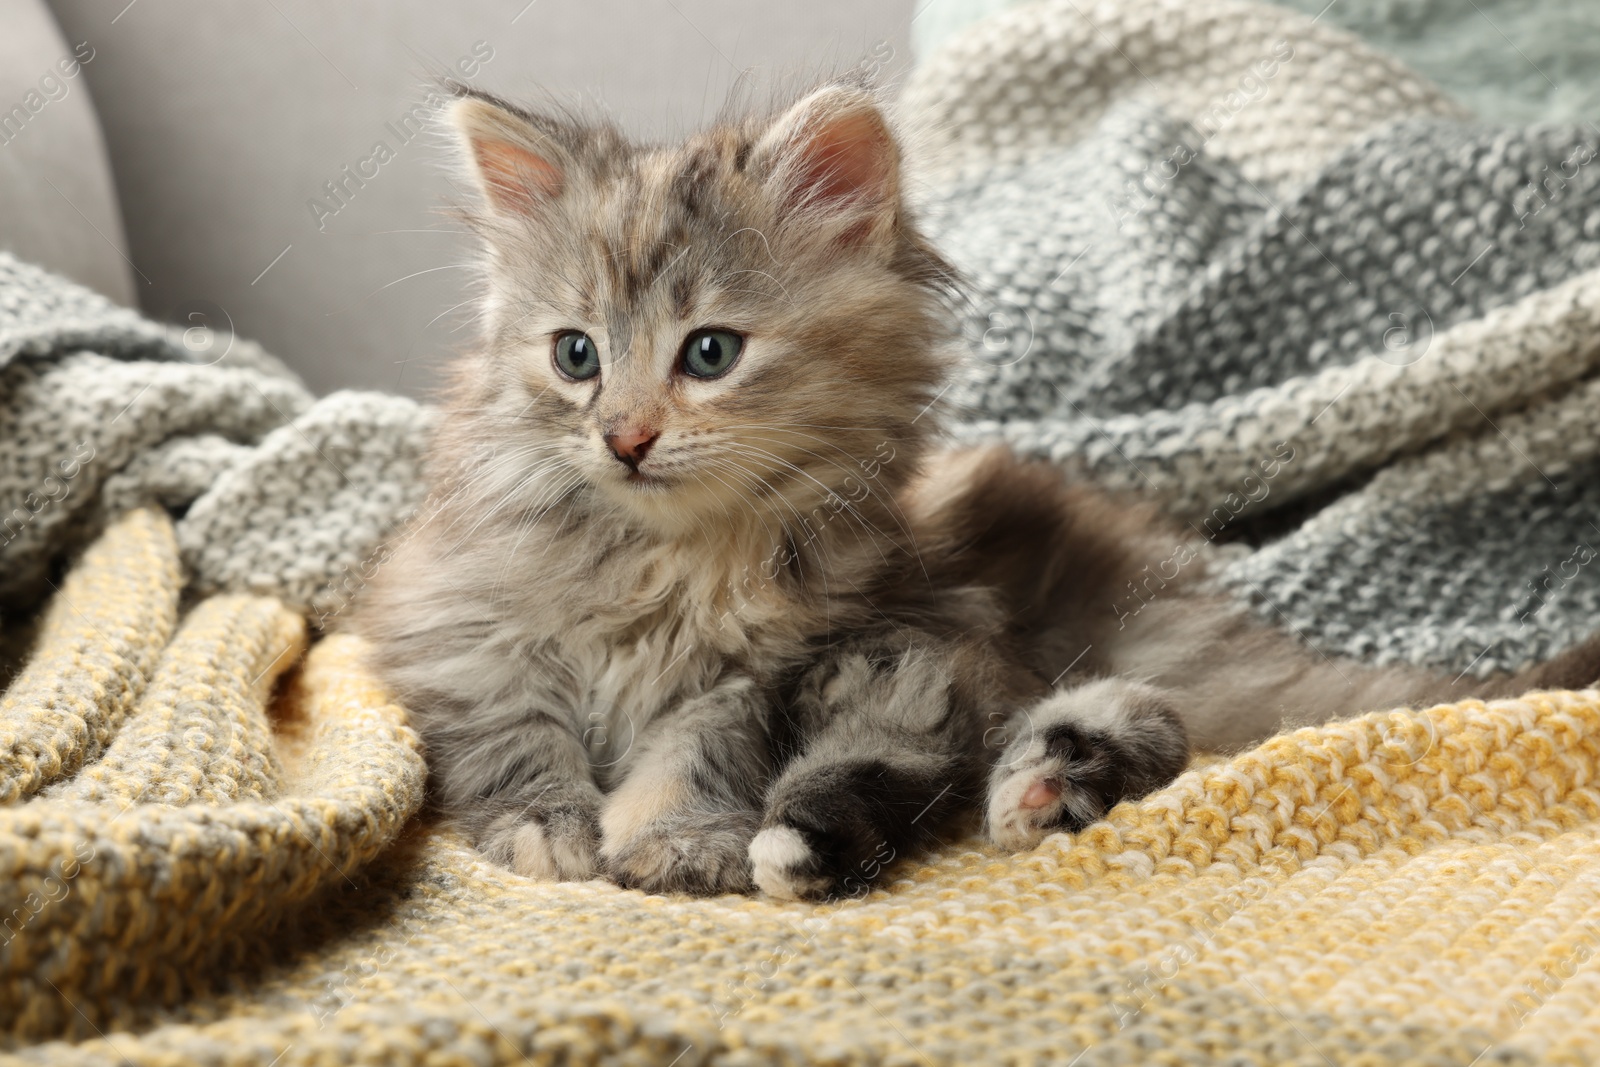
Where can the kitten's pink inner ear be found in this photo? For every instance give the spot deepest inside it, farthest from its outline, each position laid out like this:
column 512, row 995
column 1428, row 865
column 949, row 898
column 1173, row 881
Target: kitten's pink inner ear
column 846, row 157
column 515, row 179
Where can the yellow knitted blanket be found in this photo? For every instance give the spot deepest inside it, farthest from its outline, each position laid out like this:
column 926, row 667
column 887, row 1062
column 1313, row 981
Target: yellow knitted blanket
column 206, row 857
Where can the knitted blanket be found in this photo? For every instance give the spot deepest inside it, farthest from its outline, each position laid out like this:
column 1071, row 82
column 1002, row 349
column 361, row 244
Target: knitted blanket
column 1510, row 60
column 208, row 851
column 102, row 411
column 1243, row 265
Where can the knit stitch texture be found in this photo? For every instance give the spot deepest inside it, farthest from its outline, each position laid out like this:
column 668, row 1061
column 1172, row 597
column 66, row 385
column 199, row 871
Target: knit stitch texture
column 1237, row 262
column 101, row 411
column 210, row 844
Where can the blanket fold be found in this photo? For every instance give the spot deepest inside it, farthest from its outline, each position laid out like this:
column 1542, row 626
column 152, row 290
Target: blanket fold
column 188, row 840
column 282, row 493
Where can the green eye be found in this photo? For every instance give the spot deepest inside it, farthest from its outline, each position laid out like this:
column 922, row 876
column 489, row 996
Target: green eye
column 576, row 355
column 710, row 353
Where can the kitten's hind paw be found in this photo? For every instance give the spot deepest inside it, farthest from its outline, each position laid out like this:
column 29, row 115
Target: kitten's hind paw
column 786, row 867
column 703, row 853
column 1080, row 752
column 792, row 864
column 1046, row 795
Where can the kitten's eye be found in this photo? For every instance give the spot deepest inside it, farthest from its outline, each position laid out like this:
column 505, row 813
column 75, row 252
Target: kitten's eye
column 710, row 353
column 576, row 356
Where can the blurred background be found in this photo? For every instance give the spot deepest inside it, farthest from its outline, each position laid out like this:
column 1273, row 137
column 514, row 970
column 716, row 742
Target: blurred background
column 260, row 164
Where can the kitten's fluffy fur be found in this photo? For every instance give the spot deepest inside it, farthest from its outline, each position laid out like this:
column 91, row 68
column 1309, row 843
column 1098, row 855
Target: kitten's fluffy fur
column 791, row 642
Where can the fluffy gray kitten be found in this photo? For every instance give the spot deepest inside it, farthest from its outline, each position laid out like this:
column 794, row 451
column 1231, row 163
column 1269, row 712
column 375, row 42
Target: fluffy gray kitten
column 698, row 605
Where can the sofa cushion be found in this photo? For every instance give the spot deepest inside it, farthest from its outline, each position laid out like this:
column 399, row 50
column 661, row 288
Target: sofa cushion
column 60, row 207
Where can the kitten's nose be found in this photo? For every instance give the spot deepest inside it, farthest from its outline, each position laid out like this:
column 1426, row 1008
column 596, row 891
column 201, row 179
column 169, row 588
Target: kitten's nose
column 630, row 446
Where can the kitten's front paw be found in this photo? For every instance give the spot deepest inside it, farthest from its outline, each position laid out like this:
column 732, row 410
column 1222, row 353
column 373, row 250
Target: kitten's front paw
column 1079, row 753
column 687, row 853
column 552, row 844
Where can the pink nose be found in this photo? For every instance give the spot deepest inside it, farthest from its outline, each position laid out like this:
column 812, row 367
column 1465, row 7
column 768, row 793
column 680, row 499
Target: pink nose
column 630, row 446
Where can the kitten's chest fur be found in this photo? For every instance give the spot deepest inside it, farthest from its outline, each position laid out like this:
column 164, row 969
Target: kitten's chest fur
column 633, row 623
column 488, row 619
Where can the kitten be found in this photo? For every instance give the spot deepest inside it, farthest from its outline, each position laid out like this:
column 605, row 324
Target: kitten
column 697, row 603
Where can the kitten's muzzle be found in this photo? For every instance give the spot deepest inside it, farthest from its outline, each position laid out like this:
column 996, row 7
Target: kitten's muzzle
column 631, row 446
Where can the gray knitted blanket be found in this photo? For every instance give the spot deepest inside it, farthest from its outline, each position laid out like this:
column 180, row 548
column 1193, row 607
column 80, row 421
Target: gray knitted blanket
column 101, row 410
column 1239, row 262
column 1221, row 255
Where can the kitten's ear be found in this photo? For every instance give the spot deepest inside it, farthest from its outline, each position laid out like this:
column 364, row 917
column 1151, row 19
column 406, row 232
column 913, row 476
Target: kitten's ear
column 834, row 150
column 518, row 168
